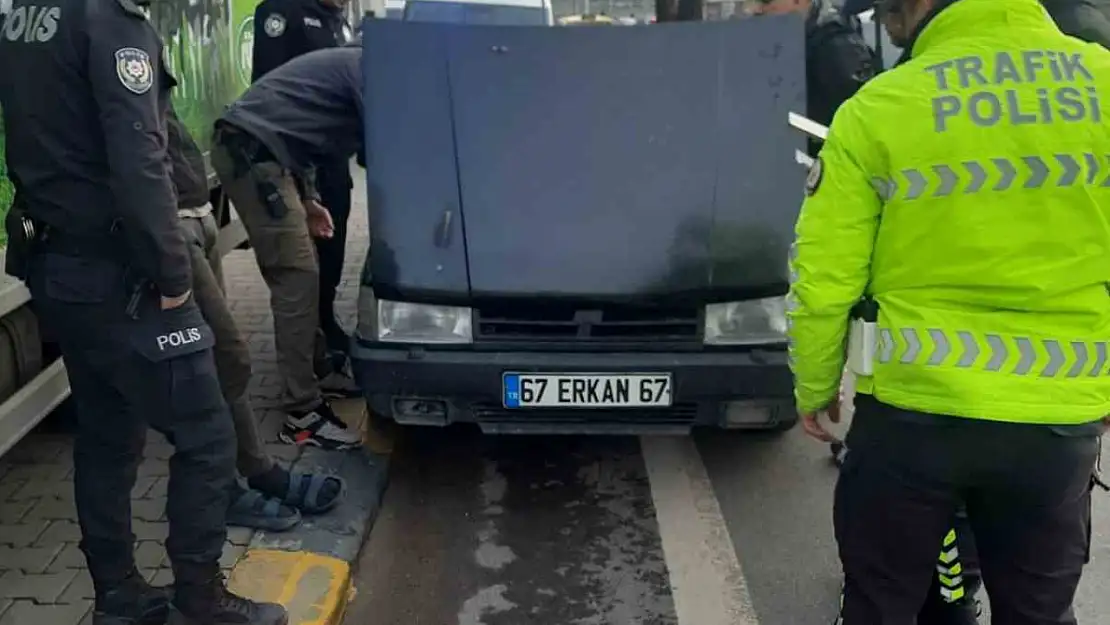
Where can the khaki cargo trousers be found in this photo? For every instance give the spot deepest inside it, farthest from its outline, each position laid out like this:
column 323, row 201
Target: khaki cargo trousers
column 286, row 258
column 231, row 352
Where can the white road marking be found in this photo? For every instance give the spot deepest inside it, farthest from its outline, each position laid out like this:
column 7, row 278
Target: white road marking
column 707, row 582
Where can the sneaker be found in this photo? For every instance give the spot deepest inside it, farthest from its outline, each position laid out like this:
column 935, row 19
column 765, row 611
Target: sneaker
column 133, row 602
column 319, row 427
column 340, row 383
column 216, row 605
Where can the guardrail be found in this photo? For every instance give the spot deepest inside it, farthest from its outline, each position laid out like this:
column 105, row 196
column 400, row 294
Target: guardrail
column 21, row 412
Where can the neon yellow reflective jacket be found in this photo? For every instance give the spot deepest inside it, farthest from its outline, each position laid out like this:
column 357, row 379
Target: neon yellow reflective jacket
column 968, row 192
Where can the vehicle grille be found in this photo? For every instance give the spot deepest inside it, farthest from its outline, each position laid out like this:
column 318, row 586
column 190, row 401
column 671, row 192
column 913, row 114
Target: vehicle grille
column 568, row 323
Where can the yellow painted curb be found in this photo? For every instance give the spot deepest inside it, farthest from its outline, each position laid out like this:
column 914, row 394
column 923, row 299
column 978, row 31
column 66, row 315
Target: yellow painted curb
column 314, row 588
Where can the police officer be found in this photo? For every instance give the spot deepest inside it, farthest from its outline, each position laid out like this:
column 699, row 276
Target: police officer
column 284, row 29
column 108, row 269
column 274, row 497
column 960, row 196
column 838, row 60
column 266, row 144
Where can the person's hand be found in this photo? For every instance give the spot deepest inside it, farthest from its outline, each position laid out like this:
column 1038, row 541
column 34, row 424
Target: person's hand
column 169, row 303
column 320, row 224
column 811, row 422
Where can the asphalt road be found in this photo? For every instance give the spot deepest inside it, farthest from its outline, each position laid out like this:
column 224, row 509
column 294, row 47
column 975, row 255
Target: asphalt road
column 721, row 528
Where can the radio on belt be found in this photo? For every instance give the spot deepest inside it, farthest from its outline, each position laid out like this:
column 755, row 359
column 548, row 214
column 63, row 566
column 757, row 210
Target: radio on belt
column 863, row 337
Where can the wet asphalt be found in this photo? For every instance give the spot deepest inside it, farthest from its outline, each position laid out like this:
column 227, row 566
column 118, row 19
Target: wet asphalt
column 488, row 530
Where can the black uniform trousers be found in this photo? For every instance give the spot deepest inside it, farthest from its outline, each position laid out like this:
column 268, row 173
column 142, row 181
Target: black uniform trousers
column 1027, row 490
column 125, row 374
column 333, row 181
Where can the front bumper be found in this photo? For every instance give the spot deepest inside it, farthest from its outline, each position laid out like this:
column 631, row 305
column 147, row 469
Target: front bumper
column 750, row 389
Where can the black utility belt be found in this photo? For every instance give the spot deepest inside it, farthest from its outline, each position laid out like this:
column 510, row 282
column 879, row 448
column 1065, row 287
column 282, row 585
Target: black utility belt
column 106, row 247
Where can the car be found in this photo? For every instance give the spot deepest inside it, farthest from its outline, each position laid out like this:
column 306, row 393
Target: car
column 580, row 230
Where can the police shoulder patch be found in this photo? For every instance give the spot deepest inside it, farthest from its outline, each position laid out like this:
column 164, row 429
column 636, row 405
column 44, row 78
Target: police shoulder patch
column 274, row 25
column 816, row 173
column 134, row 70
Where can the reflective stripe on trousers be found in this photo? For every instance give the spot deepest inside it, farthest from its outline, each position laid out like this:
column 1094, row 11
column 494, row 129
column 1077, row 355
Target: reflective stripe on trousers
column 950, row 570
column 1018, row 355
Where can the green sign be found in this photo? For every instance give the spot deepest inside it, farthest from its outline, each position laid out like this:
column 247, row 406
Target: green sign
column 208, row 50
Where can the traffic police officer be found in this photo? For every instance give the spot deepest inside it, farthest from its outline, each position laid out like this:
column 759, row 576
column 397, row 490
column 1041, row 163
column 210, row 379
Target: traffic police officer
column 963, row 196
column 266, row 145
column 96, row 230
column 838, row 60
column 284, row 29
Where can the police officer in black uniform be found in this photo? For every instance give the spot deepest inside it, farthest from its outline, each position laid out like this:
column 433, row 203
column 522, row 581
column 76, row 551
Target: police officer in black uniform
column 96, row 237
column 284, row 29
column 838, row 60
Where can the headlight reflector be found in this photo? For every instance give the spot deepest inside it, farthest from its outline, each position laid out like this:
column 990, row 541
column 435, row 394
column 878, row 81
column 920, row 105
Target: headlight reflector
column 747, row 322
column 403, row 322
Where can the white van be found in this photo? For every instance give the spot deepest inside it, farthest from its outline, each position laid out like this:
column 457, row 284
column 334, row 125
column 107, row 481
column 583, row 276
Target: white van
column 484, row 12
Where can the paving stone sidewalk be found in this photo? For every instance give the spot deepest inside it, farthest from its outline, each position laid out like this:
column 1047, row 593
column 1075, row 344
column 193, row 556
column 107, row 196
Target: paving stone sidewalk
column 43, row 580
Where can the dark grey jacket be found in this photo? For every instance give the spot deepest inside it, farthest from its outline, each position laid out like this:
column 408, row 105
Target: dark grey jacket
column 1088, row 20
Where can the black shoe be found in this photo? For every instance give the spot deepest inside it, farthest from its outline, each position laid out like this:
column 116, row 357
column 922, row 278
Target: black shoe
column 214, row 604
column 340, row 382
column 337, row 340
column 133, row 602
column 839, row 452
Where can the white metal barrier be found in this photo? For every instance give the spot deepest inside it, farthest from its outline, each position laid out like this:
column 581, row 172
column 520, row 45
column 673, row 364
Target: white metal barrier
column 20, row 413
column 812, row 129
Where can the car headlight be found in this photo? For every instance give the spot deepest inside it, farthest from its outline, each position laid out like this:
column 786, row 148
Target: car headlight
column 402, row 322
column 749, row 322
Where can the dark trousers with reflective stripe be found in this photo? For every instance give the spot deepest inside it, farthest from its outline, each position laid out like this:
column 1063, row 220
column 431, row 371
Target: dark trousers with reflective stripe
column 127, row 375
column 1028, row 494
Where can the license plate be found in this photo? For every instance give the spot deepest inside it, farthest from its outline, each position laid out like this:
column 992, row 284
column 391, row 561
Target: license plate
column 587, row 390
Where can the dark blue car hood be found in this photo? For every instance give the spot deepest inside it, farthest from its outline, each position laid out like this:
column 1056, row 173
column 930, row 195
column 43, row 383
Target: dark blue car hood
column 608, row 163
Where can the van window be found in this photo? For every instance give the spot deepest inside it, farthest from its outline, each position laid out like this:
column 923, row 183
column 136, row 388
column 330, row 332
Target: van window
column 474, row 13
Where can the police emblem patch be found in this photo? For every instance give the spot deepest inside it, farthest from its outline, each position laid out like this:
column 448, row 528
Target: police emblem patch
column 816, row 173
column 134, row 70
column 274, row 25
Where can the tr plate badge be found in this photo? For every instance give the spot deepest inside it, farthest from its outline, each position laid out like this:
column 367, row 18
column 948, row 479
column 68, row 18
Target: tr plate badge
column 134, row 70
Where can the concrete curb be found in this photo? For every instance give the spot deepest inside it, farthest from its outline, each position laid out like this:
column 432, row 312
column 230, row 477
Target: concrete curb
column 308, row 569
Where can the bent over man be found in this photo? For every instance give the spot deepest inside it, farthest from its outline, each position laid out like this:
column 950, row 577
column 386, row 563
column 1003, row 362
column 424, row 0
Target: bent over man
column 85, row 116
column 283, row 30
column 961, row 197
column 265, row 147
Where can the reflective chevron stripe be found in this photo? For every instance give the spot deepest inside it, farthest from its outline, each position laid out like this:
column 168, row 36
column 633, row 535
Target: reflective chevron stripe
column 1019, row 355
column 950, row 570
column 1026, row 172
